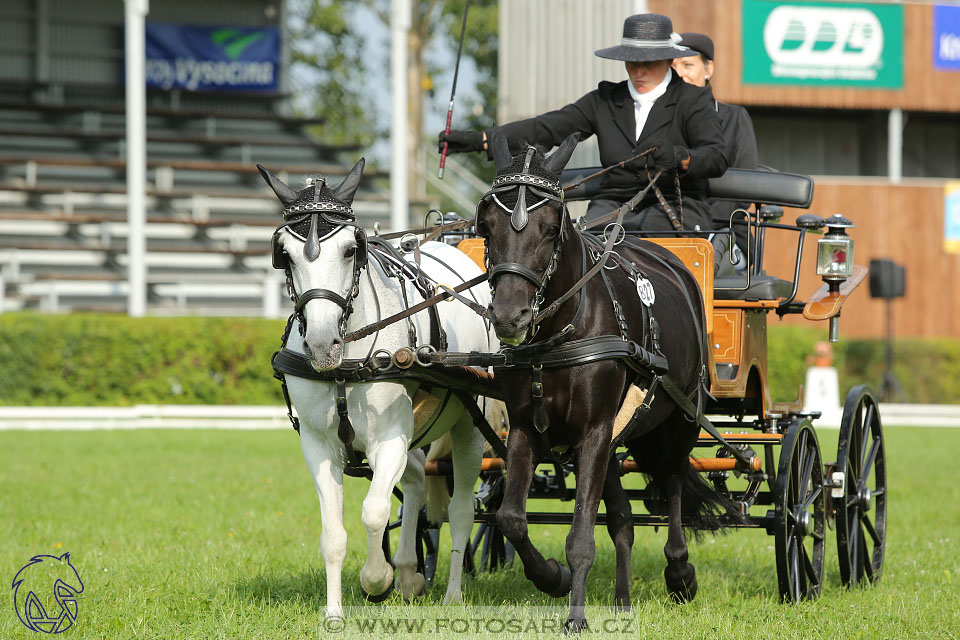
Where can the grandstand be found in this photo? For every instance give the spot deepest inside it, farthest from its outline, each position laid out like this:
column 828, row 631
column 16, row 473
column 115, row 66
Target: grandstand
column 63, row 229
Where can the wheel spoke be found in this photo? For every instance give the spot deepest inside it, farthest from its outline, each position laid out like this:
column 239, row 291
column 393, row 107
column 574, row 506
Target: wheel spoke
column 879, row 491
column 798, row 464
column 867, row 431
column 807, row 472
column 868, row 464
column 853, row 551
column 810, row 498
column 795, row 569
column 808, row 565
column 817, row 535
column 877, row 540
column 865, row 559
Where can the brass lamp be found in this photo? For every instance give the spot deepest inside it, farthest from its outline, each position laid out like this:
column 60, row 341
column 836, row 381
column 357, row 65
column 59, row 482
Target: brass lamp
column 835, row 259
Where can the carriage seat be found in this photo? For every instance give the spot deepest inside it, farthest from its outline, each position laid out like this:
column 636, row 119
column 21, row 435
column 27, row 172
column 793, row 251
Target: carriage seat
column 761, row 288
column 764, row 187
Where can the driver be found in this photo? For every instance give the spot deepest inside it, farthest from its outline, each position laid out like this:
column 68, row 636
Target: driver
column 654, row 107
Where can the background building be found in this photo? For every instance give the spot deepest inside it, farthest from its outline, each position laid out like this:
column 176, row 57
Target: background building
column 874, row 118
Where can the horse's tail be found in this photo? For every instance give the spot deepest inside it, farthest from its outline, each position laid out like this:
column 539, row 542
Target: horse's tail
column 435, row 487
column 712, row 509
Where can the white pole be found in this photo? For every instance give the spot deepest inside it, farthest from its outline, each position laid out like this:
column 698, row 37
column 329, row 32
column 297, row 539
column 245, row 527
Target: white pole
column 136, row 11
column 399, row 145
column 895, row 145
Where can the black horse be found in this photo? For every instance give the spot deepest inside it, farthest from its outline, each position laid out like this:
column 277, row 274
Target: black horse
column 559, row 397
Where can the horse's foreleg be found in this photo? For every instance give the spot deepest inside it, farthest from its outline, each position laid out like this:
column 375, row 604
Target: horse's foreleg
column 467, row 451
column 548, row 576
column 323, row 463
column 620, row 528
column 410, row 583
column 581, row 549
column 680, row 575
column 388, row 459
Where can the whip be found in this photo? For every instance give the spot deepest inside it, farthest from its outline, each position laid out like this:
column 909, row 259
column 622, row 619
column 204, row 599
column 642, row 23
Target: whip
column 453, row 91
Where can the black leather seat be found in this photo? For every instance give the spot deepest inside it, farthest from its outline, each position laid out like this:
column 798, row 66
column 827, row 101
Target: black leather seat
column 761, row 288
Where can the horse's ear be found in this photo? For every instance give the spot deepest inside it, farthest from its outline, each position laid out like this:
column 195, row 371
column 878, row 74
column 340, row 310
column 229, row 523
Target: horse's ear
column 287, row 195
column 557, row 160
column 499, row 148
column 347, row 189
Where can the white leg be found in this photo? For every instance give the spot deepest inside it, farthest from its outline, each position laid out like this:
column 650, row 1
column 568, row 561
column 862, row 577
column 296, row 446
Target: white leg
column 388, row 459
column 323, row 462
column 467, row 451
column 410, row 583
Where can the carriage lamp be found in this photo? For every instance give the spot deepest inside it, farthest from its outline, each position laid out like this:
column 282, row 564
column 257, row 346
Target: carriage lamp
column 835, row 252
column 835, row 260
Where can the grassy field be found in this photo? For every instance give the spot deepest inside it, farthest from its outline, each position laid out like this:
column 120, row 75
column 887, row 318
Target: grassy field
column 215, row 534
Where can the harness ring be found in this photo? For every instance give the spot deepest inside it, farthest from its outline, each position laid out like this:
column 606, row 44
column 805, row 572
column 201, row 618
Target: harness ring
column 430, row 350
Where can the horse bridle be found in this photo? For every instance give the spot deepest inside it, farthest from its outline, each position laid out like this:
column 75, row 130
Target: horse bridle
column 311, row 251
column 547, row 191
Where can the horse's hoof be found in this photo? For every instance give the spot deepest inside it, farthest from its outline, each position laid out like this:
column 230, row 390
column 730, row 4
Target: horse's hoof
column 681, row 583
column 412, row 587
column 380, row 597
column 566, row 580
column 573, row 625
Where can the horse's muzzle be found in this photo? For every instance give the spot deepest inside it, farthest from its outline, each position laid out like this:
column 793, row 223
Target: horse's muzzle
column 511, row 325
column 325, row 361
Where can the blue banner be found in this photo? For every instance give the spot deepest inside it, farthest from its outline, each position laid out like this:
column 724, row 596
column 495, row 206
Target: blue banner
column 946, row 38
column 212, row 58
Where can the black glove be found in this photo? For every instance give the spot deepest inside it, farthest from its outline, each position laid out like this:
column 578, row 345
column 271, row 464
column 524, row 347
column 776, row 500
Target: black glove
column 669, row 156
column 460, row 141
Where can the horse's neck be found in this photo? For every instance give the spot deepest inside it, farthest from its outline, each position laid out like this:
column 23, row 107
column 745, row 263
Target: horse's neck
column 379, row 297
column 568, row 273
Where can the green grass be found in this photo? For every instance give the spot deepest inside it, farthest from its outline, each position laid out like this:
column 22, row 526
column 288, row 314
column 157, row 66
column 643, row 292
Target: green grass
column 215, row 534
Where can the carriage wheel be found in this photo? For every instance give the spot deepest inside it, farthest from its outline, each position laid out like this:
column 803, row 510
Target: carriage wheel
column 800, row 515
column 861, row 501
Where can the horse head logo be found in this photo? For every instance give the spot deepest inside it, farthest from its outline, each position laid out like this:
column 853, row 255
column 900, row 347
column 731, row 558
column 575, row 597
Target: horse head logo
column 45, row 593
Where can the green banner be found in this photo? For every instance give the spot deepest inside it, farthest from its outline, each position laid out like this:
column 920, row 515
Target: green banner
column 823, row 43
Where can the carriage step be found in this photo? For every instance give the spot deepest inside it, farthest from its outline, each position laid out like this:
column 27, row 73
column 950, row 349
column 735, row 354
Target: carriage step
column 706, row 440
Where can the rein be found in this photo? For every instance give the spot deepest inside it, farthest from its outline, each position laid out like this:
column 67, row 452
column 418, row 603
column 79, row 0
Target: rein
column 446, row 293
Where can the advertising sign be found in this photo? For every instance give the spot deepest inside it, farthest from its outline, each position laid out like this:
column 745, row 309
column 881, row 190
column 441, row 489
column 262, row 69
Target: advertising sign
column 212, row 58
column 946, row 38
column 823, row 43
column 951, row 219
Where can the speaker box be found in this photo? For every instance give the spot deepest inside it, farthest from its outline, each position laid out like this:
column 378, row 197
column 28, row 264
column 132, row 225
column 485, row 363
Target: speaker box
column 887, row 279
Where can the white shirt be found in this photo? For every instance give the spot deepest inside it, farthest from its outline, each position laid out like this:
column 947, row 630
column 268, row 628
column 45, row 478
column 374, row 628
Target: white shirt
column 643, row 102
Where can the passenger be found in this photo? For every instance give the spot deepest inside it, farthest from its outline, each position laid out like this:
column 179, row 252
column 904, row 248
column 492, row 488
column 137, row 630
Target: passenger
column 740, row 142
column 654, row 107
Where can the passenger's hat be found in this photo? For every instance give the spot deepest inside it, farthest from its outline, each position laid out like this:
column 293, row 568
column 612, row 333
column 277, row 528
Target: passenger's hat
column 699, row 42
column 646, row 37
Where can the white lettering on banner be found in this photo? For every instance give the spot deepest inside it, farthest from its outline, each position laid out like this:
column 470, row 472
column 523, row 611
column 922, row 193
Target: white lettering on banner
column 949, row 46
column 818, row 37
column 190, row 74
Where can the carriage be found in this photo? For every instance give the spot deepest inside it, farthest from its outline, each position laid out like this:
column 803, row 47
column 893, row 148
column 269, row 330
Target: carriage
column 771, row 448
column 781, row 483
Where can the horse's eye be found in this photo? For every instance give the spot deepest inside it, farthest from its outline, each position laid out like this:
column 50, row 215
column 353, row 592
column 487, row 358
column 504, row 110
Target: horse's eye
column 553, row 230
column 350, row 252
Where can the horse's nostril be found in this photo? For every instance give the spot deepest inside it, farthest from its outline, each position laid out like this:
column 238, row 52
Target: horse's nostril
column 523, row 316
column 491, row 314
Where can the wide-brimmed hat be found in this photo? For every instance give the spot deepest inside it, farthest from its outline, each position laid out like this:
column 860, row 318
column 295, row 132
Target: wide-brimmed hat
column 646, row 37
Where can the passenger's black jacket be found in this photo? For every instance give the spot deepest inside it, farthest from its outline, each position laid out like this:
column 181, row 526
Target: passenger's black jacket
column 741, row 151
column 684, row 115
